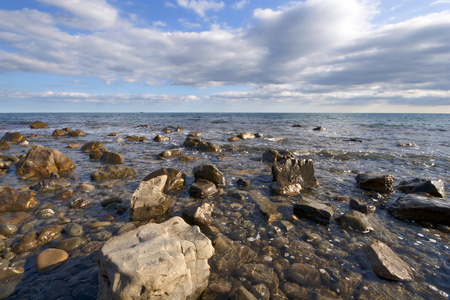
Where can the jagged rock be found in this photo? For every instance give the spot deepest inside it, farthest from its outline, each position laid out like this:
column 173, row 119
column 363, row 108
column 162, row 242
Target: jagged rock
column 209, row 172
column 41, row 161
column 295, row 170
column 199, row 214
column 38, row 125
column 77, row 132
column 202, row 189
column 284, row 188
column 52, row 184
column 376, row 182
column 112, row 172
column 386, row 264
column 417, row 185
column 169, row 154
column 155, row 261
column 13, row 137
column 148, row 200
column 271, row 156
column 13, row 200
column 111, row 158
column 304, row 275
column 96, row 145
column 355, row 220
column 160, row 138
column 175, row 179
column 361, row 207
column 421, row 207
column 314, row 210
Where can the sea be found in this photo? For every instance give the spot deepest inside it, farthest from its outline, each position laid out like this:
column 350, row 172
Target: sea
column 406, row 146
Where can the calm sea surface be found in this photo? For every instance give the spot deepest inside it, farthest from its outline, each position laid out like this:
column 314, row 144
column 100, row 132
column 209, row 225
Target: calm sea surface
column 351, row 144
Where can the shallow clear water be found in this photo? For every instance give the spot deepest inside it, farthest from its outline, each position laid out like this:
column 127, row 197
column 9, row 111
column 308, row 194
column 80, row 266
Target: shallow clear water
column 337, row 160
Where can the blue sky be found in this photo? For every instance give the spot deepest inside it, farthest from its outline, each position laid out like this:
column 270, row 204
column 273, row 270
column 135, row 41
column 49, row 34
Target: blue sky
column 230, row 56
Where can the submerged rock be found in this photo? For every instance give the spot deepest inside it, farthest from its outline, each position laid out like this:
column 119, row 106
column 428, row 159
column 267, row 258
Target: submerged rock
column 271, row 156
column 304, row 275
column 160, row 261
column 417, row 185
column 295, row 170
column 284, row 188
column 316, row 211
column 41, row 161
column 51, row 259
column 421, row 207
column 355, row 220
column 59, row 132
column 148, row 200
column 4, row 145
column 200, row 144
column 13, row 200
column 361, row 207
column 169, row 154
column 376, row 182
column 386, row 264
column 112, row 172
column 96, row 145
column 47, row 185
column 160, row 138
column 77, row 133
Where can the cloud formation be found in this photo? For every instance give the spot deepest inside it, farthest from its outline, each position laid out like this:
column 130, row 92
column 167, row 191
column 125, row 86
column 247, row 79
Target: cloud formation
column 318, row 51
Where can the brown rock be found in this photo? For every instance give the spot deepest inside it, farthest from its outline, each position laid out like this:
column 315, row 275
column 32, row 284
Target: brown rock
column 295, row 170
column 175, row 179
column 188, row 158
column 13, row 200
column 38, row 125
column 4, row 145
column 93, row 146
column 376, row 182
column 13, row 137
column 15, row 218
column 202, row 189
column 169, row 154
column 41, row 161
column 51, row 259
column 77, row 132
column 112, row 158
column 246, row 136
column 284, row 188
column 63, row 195
column 159, row 138
column 136, row 138
column 304, row 274
column 59, row 132
column 386, row 264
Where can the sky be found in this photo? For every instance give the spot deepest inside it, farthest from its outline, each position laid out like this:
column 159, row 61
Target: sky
column 225, row 56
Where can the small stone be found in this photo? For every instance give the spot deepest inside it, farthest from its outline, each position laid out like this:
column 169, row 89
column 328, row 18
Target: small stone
column 51, row 259
column 314, row 210
column 112, row 158
column 202, row 189
column 187, row 158
column 63, row 195
column 79, row 203
column 100, row 224
column 86, row 187
column 159, row 138
column 355, row 220
column 108, row 201
column 7, row 229
column 67, row 244
column 304, row 274
column 46, row 213
column 73, row 230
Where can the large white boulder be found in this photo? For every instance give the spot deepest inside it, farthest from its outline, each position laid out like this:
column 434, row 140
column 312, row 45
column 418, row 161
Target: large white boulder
column 155, row 261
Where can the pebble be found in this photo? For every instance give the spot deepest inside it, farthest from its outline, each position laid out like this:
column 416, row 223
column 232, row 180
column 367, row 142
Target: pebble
column 109, row 201
column 27, row 227
column 100, row 224
column 6, row 229
column 46, row 213
column 86, row 187
column 73, row 230
column 67, row 244
column 51, row 259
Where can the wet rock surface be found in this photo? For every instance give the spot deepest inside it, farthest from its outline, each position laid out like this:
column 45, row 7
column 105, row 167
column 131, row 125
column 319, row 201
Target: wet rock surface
column 314, row 210
column 376, row 182
column 417, row 185
column 295, row 170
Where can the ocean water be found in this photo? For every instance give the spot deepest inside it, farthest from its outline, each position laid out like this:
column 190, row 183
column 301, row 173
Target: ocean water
column 351, row 144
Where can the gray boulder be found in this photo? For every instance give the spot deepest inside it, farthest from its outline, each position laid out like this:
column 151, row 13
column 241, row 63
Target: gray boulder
column 314, row 210
column 421, row 207
column 376, row 182
column 417, row 185
column 295, row 170
column 155, row 261
column 386, row 264
column 148, row 200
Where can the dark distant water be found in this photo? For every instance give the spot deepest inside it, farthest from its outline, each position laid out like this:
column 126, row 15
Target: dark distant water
column 352, row 143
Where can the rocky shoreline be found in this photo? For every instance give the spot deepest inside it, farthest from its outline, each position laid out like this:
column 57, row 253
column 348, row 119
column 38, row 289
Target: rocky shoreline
column 206, row 234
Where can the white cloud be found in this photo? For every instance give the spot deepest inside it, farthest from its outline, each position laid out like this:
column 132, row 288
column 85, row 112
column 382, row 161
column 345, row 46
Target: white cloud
column 241, row 4
column 85, row 14
column 159, row 24
column 189, row 25
column 201, row 6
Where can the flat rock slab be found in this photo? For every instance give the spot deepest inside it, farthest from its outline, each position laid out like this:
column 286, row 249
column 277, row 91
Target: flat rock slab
column 267, row 208
column 417, row 185
column 155, row 261
column 421, row 207
column 386, row 264
column 314, row 210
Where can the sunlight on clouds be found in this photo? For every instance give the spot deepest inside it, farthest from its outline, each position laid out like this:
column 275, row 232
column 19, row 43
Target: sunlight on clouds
column 201, row 6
